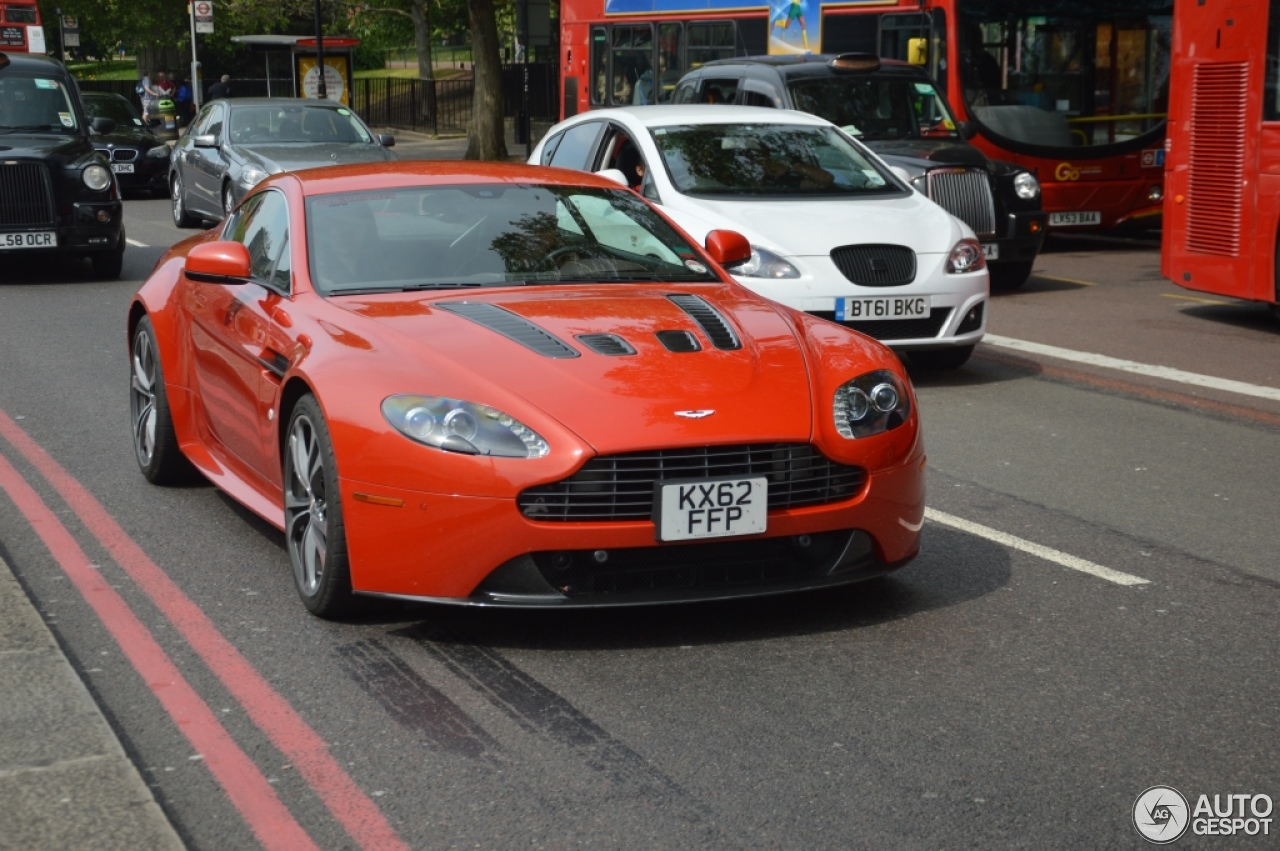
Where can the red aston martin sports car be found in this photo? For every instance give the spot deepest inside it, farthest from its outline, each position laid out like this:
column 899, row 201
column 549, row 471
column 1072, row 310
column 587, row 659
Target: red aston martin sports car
column 505, row 385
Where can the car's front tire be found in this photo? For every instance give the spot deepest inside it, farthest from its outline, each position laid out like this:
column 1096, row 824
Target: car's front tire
column 155, row 442
column 1007, row 277
column 314, row 530
column 107, row 265
column 952, row 358
column 181, row 218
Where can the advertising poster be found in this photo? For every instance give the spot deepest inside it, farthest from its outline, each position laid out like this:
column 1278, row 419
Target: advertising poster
column 335, row 78
column 795, row 26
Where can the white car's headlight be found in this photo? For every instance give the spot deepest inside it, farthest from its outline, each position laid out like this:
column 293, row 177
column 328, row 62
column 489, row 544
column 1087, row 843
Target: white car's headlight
column 966, row 257
column 1026, row 186
column 251, row 176
column 159, row 152
column 459, row 426
column 96, row 177
column 763, row 263
column 871, row 404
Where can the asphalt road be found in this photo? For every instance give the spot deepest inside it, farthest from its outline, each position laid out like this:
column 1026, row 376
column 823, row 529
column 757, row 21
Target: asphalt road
column 994, row 693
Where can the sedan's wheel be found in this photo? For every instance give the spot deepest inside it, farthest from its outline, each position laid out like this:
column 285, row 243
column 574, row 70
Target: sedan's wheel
column 314, row 530
column 107, row 265
column 952, row 358
column 154, row 441
column 1009, row 276
column 228, row 202
column 181, row 218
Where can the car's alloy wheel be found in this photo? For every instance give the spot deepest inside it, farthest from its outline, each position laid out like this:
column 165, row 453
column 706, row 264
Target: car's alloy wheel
column 155, row 442
column 181, row 218
column 314, row 531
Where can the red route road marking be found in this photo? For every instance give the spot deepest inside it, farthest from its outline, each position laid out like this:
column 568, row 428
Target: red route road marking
column 244, row 784
column 291, row 735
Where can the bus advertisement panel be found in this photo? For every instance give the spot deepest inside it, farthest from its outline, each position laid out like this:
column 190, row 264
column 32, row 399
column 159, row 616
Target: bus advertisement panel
column 1075, row 91
column 1222, row 214
column 20, row 29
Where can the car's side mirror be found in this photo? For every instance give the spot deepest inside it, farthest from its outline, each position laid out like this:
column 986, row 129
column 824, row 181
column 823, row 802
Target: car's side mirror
column 205, row 141
column 386, row 140
column 728, row 247
column 102, row 125
column 613, row 174
column 221, row 262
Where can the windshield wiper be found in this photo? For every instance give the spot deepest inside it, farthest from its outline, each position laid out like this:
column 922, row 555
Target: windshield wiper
column 30, row 128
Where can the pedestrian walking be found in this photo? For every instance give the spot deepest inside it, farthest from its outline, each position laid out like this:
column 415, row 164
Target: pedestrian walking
column 149, row 95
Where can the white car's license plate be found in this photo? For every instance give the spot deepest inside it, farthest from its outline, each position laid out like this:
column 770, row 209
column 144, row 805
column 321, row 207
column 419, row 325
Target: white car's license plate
column 991, row 251
column 1068, row 219
column 40, row 239
column 890, row 307
column 712, row 508
column 122, row 168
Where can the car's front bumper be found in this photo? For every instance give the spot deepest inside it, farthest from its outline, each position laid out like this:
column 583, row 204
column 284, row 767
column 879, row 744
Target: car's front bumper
column 1022, row 238
column 82, row 232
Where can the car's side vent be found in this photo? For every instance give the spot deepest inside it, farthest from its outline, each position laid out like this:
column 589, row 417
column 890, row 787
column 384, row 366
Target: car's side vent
column 678, row 341
column 606, row 344
column 512, row 327
column 712, row 323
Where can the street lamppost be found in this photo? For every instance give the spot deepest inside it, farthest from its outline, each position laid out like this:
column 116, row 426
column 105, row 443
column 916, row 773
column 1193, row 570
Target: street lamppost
column 321, row 91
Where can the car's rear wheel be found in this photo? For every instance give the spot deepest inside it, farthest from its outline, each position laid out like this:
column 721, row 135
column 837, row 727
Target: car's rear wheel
column 952, row 358
column 155, row 443
column 181, row 218
column 1006, row 277
column 107, row 265
column 314, row 530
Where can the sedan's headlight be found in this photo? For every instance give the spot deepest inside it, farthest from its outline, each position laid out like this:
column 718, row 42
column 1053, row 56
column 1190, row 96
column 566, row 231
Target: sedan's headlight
column 1026, row 186
column 158, row 152
column 462, row 427
column 871, row 404
column 251, row 176
column 965, row 257
column 764, row 264
column 96, row 177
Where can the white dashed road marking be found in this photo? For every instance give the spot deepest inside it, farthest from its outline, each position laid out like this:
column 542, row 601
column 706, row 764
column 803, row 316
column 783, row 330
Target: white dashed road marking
column 1046, row 553
column 135, row 243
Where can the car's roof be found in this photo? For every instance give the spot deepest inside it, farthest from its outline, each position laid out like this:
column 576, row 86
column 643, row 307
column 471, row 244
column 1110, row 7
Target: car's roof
column 34, row 62
column 404, row 173
column 317, row 104
column 817, row 64
column 700, row 113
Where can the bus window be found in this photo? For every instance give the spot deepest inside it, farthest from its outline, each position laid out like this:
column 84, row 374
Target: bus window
column 631, row 64
column 710, row 40
column 670, row 65
column 599, row 66
column 20, row 15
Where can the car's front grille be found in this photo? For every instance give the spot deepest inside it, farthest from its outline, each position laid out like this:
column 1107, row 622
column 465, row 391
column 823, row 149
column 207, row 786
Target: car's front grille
column 897, row 329
column 965, row 194
column 876, row 265
column 621, row 487
column 26, row 196
column 124, row 155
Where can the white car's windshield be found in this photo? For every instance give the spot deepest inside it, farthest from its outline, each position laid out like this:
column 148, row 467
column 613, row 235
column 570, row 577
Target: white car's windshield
column 447, row 237
column 766, row 159
column 36, row 105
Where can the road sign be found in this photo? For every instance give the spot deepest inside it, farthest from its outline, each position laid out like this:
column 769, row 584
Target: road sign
column 203, row 10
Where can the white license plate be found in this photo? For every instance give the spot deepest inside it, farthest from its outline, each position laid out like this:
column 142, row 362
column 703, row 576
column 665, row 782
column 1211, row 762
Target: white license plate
column 1068, row 219
column 42, row 239
column 122, row 168
column 991, row 251
column 712, row 508
column 890, row 307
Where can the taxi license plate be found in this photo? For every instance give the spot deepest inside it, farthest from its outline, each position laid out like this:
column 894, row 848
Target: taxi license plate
column 1074, row 218
column 122, row 168
column 41, row 239
column 894, row 307
column 689, row 509
column 991, row 251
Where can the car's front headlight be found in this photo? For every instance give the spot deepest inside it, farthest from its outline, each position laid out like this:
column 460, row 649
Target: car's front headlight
column 459, row 426
column 763, row 263
column 158, row 152
column 251, row 176
column 1026, row 186
column 871, row 404
column 96, row 177
column 966, row 257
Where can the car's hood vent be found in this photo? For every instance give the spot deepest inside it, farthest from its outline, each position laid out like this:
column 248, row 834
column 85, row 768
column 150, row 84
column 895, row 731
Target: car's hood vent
column 512, row 327
column 712, row 323
column 606, row 344
column 678, row 341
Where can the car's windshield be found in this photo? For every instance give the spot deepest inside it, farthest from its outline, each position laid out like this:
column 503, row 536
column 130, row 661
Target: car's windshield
column 116, row 108
column 272, row 124
column 36, row 105
column 766, row 159
column 877, row 108
column 447, row 237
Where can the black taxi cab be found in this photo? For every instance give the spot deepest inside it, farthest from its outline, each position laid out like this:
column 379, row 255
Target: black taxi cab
column 57, row 193
column 895, row 109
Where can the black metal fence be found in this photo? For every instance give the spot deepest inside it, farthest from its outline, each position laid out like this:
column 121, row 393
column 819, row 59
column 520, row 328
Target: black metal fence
column 431, row 106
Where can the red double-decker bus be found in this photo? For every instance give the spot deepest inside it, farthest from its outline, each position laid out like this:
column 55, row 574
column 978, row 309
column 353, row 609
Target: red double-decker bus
column 20, row 27
column 1074, row 90
column 1222, row 214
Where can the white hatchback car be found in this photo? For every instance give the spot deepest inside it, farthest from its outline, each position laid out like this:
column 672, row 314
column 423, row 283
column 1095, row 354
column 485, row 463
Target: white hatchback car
column 835, row 231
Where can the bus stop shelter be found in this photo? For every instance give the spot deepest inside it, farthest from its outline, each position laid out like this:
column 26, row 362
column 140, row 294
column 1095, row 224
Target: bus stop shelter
column 301, row 54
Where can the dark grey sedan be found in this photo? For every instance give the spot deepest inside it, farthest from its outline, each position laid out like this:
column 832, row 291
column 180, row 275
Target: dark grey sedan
column 233, row 145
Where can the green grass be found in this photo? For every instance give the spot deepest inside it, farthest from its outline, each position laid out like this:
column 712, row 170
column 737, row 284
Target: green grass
column 406, row 73
column 111, row 69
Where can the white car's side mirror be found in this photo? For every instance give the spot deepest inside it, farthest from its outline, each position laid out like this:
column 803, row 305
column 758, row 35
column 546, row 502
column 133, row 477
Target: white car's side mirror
column 613, row 174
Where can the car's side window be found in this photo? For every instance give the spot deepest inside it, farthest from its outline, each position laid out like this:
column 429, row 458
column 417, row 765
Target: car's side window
column 719, row 90
column 262, row 226
column 685, row 93
column 576, row 147
column 214, row 125
column 549, row 149
column 201, row 122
